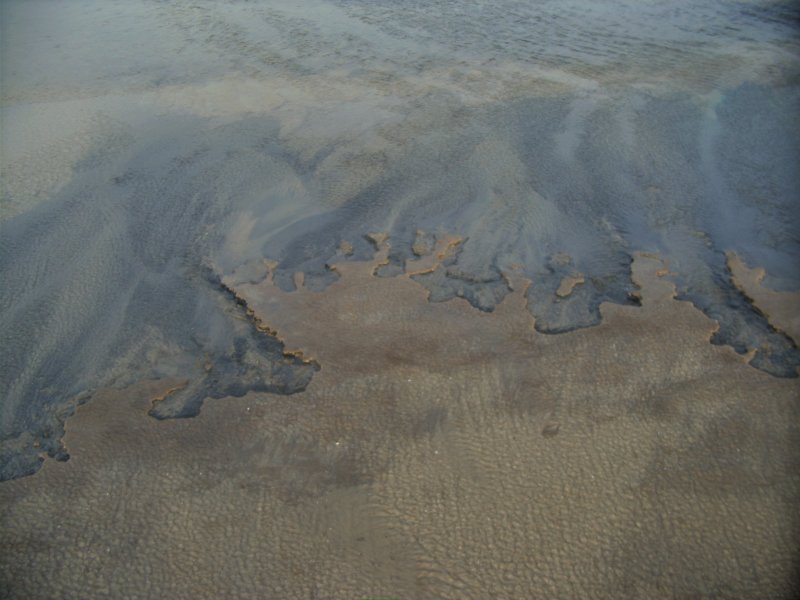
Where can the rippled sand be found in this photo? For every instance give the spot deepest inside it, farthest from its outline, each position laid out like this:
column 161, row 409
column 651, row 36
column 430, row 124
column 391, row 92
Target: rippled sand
column 395, row 299
column 439, row 453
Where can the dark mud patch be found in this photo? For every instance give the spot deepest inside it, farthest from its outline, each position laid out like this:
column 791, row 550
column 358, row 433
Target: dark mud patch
column 559, row 308
column 254, row 360
column 23, row 454
column 744, row 327
column 484, row 290
column 248, row 358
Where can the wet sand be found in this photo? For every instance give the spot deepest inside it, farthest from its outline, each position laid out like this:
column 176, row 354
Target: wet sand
column 392, row 299
column 440, row 452
column 143, row 142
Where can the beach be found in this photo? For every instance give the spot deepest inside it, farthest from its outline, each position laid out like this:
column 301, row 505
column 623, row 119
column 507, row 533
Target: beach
column 392, row 300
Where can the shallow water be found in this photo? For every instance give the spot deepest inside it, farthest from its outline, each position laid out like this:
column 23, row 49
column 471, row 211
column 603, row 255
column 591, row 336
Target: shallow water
column 149, row 150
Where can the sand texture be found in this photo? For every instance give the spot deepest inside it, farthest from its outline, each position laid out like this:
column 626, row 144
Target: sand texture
column 392, row 299
column 440, row 452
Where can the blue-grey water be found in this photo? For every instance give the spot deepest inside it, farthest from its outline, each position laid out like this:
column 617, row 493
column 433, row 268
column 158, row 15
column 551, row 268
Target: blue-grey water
column 149, row 148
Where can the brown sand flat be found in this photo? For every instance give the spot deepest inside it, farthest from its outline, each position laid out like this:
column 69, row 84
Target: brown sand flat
column 440, row 452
